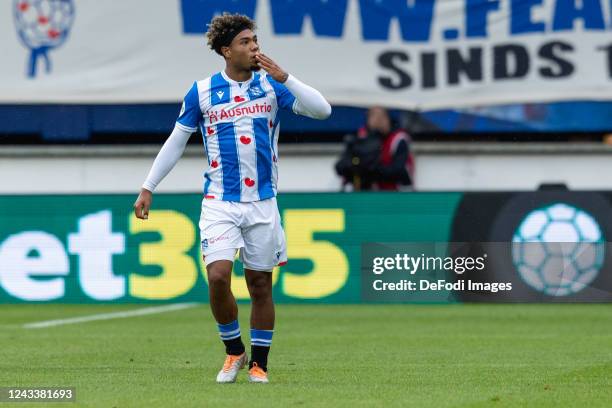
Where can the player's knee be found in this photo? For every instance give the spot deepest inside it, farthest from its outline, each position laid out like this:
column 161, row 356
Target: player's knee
column 218, row 281
column 260, row 288
column 218, row 277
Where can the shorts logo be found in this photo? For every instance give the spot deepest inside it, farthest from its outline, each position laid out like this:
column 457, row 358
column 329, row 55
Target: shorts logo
column 42, row 25
column 206, row 242
column 217, row 239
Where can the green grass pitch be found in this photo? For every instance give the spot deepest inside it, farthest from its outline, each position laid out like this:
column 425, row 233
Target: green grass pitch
column 322, row 356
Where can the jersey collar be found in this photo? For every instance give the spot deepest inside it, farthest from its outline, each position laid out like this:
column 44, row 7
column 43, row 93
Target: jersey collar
column 231, row 81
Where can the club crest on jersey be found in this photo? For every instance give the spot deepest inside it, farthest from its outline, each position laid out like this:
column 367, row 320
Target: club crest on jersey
column 204, row 244
column 255, row 92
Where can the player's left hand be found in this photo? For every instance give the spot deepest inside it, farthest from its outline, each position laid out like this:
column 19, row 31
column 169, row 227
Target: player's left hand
column 271, row 68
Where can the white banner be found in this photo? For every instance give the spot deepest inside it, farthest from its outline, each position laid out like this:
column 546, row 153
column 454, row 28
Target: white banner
column 423, row 54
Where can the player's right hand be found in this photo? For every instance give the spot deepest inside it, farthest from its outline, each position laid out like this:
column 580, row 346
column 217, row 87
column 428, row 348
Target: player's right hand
column 142, row 204
column 271, row 67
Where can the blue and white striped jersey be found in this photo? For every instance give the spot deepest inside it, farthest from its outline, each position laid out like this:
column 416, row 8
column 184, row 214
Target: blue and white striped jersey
column 239, row 124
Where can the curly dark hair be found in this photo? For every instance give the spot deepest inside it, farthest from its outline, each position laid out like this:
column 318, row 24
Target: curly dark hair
column 222, row 29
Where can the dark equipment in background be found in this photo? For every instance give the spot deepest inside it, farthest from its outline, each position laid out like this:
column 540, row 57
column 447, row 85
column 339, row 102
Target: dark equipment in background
column 378, row 156
column 360, row 160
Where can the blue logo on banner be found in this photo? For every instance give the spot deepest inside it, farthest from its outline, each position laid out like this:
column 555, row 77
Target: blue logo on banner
column 288, row 16
column 42, row 25
column 415, row 17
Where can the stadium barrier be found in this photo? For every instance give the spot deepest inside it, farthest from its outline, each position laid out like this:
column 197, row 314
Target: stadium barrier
column 90, row 248
column 440, row 166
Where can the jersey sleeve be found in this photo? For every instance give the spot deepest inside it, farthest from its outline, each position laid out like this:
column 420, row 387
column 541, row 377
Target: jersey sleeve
column 191, row 114
column 284, row 97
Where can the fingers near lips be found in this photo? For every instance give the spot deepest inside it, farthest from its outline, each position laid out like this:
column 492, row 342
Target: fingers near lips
column 264, row 59
column 265, row 65
column 259, row 60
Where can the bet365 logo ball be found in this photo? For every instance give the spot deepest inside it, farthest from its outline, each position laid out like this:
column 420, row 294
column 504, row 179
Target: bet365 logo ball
column 558, row 249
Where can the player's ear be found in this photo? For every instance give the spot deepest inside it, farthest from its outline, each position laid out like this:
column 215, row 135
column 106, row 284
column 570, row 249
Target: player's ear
column 226, row 52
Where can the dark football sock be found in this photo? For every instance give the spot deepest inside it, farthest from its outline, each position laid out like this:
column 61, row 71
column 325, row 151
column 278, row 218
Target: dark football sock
column 259, row 355
column 234, row 347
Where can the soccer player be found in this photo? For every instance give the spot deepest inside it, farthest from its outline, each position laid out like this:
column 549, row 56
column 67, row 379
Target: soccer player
column 237, row 112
